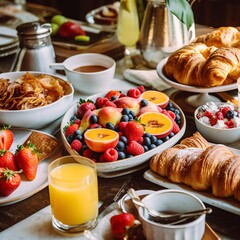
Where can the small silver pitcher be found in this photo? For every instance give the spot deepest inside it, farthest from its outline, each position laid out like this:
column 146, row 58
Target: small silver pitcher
column 162, row 33
column 36, row 51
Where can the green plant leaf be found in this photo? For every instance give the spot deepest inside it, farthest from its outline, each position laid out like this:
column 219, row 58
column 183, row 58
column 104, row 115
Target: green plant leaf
column 182, row 10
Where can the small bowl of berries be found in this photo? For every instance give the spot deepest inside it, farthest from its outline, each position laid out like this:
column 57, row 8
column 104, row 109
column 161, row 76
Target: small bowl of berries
column 218, row 122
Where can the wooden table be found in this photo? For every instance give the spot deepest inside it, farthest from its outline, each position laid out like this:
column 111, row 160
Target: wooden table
column 224, row 223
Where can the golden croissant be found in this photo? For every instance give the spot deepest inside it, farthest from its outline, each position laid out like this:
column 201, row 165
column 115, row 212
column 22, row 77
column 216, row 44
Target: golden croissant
column 211, row 60
column 201, row 166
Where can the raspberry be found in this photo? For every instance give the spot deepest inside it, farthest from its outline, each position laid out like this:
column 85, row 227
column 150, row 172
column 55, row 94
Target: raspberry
column 134, row 93
column 77, row 121
column 219, row 115
column 70, row 129
column 141, row 89
column 110, row 155
column 135, row 148
column 76, row 145
column 213, row 121
column 100, row 102
column 230, row 124
column 208, row 114
column 224, row 110
column 88, row 153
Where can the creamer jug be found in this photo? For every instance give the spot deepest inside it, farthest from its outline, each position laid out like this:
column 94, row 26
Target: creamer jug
column 36, row 51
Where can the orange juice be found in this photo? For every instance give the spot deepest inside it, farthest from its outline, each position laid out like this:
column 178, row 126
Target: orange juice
column 73, row 193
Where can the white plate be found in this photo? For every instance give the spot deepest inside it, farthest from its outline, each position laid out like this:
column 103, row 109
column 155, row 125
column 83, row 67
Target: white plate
column 90, row 18
column 228, row 204
column 29, row 188
column 183, row 87
column 129, row 163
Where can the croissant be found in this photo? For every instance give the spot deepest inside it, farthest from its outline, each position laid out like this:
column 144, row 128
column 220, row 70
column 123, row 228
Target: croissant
column 199, row 65
column 221, row 37
column 202, row 167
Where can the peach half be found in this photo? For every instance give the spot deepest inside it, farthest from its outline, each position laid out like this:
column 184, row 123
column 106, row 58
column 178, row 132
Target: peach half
column 158, row 98
column 100, row 139
column 156, row 124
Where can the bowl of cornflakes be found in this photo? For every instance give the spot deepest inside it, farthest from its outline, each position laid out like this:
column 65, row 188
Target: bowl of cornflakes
column 33, row 99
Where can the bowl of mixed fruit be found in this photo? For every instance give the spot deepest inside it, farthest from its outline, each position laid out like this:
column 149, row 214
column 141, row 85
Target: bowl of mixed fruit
column 122, row 130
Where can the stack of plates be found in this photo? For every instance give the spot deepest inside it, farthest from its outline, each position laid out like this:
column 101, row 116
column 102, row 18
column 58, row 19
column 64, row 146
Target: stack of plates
column 8, row 41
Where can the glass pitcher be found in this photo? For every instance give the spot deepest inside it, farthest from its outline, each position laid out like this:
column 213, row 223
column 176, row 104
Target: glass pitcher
column 162, row 33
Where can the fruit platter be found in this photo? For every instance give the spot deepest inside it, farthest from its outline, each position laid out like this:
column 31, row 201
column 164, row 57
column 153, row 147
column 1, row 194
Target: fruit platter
column 122, row 130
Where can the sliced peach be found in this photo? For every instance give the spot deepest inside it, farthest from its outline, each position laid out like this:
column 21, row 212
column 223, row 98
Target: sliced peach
column 159, row 98
column 100, row 139
column 156, row 124
column 109, row 114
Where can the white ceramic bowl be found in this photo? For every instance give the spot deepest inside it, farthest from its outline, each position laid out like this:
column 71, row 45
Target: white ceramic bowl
column 88, row 82
column 127, row 165
column 37, row 117
column 172, row 200
column 216, row 135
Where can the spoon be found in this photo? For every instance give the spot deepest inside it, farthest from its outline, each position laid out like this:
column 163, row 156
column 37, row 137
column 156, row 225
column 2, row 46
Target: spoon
column 166, row 217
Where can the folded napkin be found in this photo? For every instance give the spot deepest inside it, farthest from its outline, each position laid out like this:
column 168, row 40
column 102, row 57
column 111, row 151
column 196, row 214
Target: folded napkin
column 147, row 78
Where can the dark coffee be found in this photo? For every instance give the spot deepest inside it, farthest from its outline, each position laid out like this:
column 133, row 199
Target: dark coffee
column 90, row 68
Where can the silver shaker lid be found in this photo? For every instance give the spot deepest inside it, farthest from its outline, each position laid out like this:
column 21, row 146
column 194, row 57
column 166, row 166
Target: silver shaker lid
column 33, row 30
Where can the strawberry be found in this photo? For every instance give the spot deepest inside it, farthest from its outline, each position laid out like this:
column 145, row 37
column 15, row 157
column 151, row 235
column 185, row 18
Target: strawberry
column 133, row 131
column 84, row 106
column 71, row 128
column 27, row 160
column 112, row 93
column 9, row 181
column 6, row 138
column 121, row 223
column 7, row 160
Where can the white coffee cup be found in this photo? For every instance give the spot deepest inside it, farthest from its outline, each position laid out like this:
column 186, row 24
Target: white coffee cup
column 88, row 82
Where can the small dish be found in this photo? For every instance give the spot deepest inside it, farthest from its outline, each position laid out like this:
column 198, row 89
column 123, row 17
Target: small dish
column 217, row 134
column 177, row 201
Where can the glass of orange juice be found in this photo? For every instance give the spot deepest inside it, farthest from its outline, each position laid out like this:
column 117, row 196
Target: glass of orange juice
column 73, row 192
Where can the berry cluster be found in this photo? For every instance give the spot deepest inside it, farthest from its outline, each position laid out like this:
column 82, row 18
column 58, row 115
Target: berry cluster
column 220, row 116
column 133, row 140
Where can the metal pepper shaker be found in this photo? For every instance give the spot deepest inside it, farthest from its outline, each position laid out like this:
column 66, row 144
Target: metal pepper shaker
column 162, row 33
column 36, row 51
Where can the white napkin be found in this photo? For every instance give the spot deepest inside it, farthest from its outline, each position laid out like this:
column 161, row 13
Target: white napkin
column 147, row 78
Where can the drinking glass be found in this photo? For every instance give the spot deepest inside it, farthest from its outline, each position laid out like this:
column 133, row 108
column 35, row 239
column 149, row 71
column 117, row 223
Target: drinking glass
column 73, row 191
column 128, row 27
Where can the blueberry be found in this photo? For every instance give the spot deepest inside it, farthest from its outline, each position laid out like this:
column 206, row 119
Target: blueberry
column 177, row 117
column 176, row 111
column 79, row 137
column 123, row 139
column 171, row 134
column 113, row 98
column 146, row 148
column 120, row 145
column 77, row 132
column 109, row 125
column 73, row 118
column 170, row 105
column 147, row 141
column 125, row 111
column 143, row 103
column 146, row 135
column 124, row 118
column 132, row 113
column 153, row 139
column 152, row 146
column 70, row 138
column 230, row 114
column 130, row 117
column 159, row 142
column 121, row 155
column 93, row 119
column 165, row 138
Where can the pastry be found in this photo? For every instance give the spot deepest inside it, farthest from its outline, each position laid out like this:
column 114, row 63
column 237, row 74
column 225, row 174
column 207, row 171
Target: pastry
column 212, row 167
